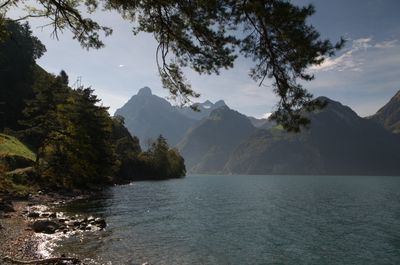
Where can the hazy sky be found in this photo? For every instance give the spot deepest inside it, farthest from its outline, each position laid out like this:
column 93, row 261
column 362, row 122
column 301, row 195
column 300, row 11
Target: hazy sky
column 364, row 75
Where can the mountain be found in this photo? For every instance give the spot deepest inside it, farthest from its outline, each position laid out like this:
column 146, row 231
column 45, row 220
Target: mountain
column 338, row 142
column 221, row 140
column 204, row 109
column 147, row 116
column 389, row 115
column 208, row 145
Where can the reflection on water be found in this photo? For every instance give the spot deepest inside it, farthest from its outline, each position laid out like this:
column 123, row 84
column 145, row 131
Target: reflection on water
column 245, row 220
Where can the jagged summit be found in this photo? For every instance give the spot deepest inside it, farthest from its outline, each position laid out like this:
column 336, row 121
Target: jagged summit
column 204, row 109
column 144, row 91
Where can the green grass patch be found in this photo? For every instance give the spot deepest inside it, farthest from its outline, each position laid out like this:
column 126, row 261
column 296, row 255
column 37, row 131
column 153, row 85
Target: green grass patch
column 10, row 145
column 8, row 186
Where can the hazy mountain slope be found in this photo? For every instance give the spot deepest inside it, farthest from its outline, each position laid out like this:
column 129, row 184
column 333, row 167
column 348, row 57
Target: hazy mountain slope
column 262, row 123
column 338, row 142
column 389, row 115
column 147, row 116
column 208, row 145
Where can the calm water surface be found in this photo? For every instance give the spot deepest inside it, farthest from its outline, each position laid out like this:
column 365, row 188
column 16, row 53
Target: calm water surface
column 245, row 220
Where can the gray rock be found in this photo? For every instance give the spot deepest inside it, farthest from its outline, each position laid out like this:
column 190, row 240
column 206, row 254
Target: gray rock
column 12, row 162
column 33, row 215
column 101, row 223
column 22, row 175
column 53, row 215
column 45, row 226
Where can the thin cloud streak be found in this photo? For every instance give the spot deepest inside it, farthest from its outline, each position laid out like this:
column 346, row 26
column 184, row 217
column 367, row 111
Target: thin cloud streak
column 352, row 59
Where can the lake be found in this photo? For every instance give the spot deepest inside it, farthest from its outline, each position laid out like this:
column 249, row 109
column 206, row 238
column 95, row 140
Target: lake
column 245, row 220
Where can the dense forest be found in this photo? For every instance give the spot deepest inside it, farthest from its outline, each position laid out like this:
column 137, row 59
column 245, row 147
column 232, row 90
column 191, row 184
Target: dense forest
column 76, row 143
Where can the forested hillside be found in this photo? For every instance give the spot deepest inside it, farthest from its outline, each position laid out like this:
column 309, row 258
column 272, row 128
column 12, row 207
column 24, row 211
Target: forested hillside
column 75, row 142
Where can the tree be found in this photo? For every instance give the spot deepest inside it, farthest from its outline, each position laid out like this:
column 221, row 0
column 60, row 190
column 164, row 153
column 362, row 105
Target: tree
column 208, row 35
column 18, row 52
column 176, row 164
column 72, row 134
column 81, row 151
column 164, row 162
column 41, row 111
column 159, row 152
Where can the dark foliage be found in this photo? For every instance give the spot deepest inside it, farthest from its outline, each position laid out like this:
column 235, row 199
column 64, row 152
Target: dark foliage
column 77, row 143
column 208, row 35
column 18, row 51
column 160, row 162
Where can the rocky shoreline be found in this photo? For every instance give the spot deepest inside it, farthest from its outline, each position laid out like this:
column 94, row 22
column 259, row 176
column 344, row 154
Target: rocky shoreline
column 28, row 226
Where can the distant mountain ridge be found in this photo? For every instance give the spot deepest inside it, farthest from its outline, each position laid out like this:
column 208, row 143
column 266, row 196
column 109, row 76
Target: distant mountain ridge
column 338, row 142
column 147, row 116
column 204, row 109
column 219, row 140
column 389, row 115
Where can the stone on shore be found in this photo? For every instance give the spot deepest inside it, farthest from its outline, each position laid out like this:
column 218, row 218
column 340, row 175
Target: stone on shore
column 33, row 215
column 45, row 226
column 101, row 223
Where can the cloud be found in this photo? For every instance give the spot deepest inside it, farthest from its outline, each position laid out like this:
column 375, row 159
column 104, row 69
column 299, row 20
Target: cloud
column 353, row 58
column 362, row 43
column 386, row 44
column 121, row 66
column 266, row 115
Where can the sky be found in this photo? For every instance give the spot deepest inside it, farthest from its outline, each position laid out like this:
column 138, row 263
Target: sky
column 364, row 75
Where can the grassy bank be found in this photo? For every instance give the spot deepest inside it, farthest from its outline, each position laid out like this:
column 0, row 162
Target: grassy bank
column 15, row 173
column 10, row 145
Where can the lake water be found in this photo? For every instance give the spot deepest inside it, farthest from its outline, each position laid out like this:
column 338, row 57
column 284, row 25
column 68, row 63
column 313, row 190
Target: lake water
column 245, row 220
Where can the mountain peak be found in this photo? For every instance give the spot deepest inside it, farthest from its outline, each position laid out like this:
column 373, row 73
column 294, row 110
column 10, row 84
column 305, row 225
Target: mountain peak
column 144, row 91
column 220, row 103
column 396, row 97
column 389, row 115
column 334, row 110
